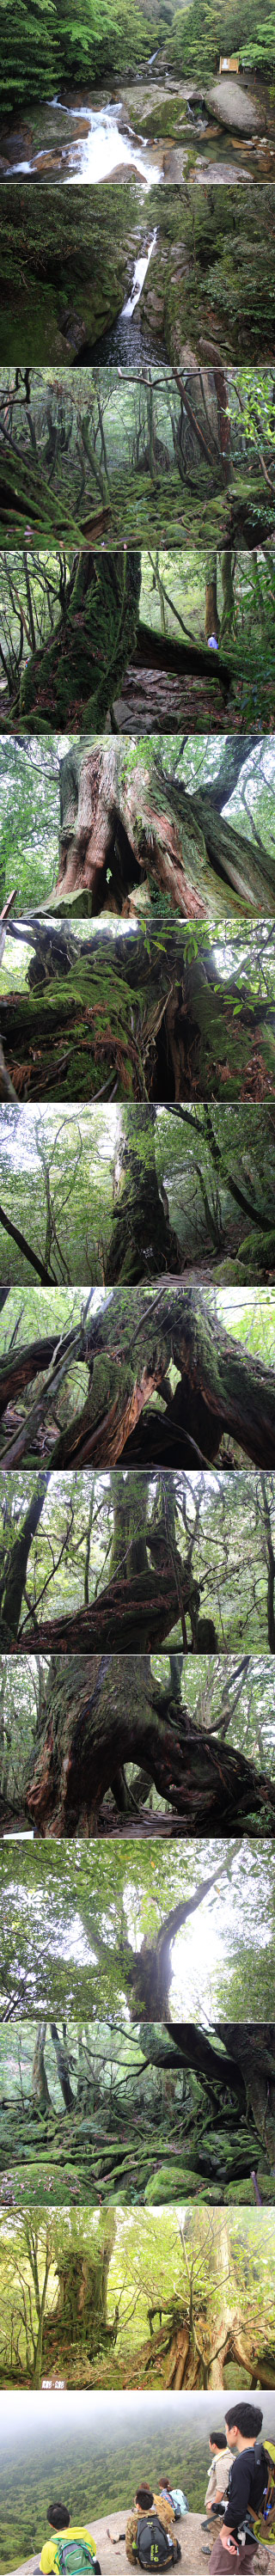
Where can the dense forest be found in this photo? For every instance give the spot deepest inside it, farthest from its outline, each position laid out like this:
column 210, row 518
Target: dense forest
column 134, row 1940
column 184, row 825
column 160, row 1375
column 137, row 1744
column 162, row 1012
column 138, row 459
column 94, row 41
column 68, row 271
column 123, row 1193
column 175, row 2300
column 98, row 2113
column 100, row 1556
column 117, row 641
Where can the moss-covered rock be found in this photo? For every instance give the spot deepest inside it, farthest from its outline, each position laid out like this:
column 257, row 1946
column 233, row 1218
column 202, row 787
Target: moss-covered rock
column 262, row 1246
column 159, row 2187
column 44, row 2183
column 244, row 2191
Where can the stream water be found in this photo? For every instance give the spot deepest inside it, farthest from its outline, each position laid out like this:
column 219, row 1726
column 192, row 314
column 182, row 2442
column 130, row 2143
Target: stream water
column 110, row 145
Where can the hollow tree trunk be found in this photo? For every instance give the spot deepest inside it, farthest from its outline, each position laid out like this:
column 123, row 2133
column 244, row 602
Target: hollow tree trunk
column 115, row 817
column 118, row 815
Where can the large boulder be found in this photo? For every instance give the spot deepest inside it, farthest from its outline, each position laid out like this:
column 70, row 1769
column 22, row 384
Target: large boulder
column 234, row 107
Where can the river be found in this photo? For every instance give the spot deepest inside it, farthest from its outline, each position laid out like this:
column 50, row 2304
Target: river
column 109, row 145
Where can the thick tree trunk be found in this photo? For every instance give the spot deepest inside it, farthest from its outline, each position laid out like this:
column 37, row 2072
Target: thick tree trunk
column 142, row 1239
column 119, row 816
column 222, row 1388
column 105, row 1711
column 98, row 1024
column 80, row 2315
column 149, row 1970
column 72, row 679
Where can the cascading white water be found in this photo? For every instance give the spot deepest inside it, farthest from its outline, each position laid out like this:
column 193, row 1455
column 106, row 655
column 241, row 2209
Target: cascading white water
column 102, row 150
column 141, row 266
column 106, row 146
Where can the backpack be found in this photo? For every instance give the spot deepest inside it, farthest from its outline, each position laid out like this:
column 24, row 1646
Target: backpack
column 75, row 2558
column 179, row 2501
column 263, row 2516
column 152, row 2546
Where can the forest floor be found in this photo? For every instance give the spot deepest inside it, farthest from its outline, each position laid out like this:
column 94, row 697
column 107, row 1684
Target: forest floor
column 189, row 2532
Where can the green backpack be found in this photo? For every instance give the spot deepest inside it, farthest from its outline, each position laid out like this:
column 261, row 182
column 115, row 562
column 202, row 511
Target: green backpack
column 75, row 2558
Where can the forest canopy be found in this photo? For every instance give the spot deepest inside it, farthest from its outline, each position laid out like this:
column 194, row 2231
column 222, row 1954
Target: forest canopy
column 95, row 40
column 117, row 1937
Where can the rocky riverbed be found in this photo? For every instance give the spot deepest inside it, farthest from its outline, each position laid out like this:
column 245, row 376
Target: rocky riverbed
column 155, row 128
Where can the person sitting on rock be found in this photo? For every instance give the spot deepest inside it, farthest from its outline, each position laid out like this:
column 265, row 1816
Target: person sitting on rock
column 63, row 2529
column 146, row 2503
column 174, row 2496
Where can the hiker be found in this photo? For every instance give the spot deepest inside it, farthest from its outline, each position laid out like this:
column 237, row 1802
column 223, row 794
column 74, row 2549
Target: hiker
column 217, row 2482
column 149, row 2531
column 71, row 2547
column 237, row 2541
column 174, row 2496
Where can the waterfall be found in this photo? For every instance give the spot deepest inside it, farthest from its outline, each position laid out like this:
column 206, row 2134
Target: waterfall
column 140, row 269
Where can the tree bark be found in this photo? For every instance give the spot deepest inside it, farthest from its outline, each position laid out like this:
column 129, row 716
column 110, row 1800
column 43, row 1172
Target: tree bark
column 136, row 822
column 79, row 2318
column 15, row 1569
column 73, row 678
column 142, row 1238
column 222, row 1387
column 105, row 1711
